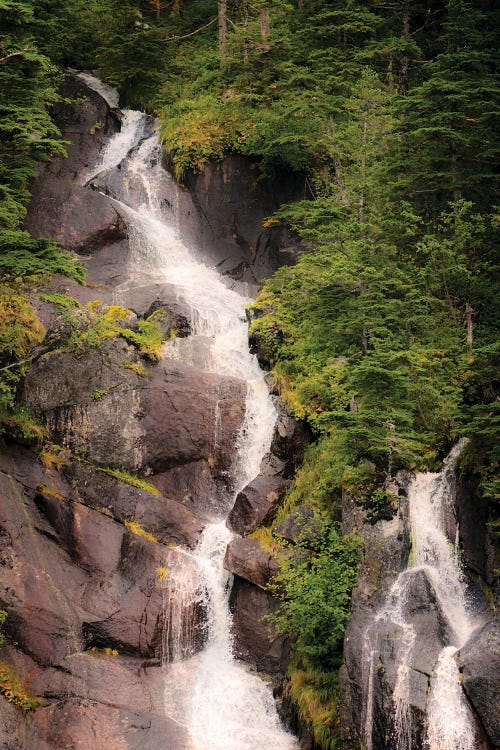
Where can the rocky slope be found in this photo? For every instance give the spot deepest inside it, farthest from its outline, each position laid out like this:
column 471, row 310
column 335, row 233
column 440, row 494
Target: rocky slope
column 82, row 548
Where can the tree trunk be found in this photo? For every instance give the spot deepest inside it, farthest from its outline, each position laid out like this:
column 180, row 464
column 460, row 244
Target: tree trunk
column 405, row 60
column 222, row 15
column 469, row 314
column 265, row 29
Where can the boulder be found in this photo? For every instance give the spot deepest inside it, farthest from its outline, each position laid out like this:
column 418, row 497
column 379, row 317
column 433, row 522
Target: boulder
column 256, row 503
column 96, row 405
column 479, row 661
column 247, row 559
column 290, row 438
column 168, row 520
column 183, row 410
column 255, row 638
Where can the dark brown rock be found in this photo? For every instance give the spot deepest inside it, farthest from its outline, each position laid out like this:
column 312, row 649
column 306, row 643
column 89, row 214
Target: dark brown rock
column 168, row 520
column 256, row 503
column 73, row 578
column 231, row 202
column 479, row 660
column 255, row 638
column 290, row 439
column 180, row 405
column 94, row 404
column 247, row 559
column 299, row 526
column 104, row 703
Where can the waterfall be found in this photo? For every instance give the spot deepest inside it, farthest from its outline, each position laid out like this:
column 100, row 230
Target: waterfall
column 448, row 723
column 221, row 703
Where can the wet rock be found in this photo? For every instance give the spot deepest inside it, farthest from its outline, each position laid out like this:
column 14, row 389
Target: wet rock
column 104, row 703
column 472, row 510
column 189, row 416
column 231, row 202
column 255, row 638
column 170, row 318
column 97, row 405
column 256, row 503
column 73, row 578
column 60, row 207
column 247, row 559
column 168, row 520
column 479, row 661
column 290, row 438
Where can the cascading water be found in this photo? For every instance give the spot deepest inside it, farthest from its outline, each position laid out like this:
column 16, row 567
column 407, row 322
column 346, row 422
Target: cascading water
column 219, row 701
column 448, row 723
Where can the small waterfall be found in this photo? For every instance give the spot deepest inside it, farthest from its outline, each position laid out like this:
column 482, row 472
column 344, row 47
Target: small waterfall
column 434, row 558
column 219, row 701
column 449, row 720
column 182, row 598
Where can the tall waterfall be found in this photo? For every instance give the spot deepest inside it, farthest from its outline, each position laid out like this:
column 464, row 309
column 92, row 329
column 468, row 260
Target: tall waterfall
column 448, row 722
column 221, row 704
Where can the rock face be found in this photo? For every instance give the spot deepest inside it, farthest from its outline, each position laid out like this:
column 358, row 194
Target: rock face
column 75, row 579
column 98, row 407
column 247, row 559
column 91, row 558
column 231, row 202
column 479, row 661
column 385, row 556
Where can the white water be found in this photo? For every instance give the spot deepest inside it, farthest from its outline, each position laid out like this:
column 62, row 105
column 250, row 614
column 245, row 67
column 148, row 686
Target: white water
column 448, row 717
column 449, row 720
column 221, row 704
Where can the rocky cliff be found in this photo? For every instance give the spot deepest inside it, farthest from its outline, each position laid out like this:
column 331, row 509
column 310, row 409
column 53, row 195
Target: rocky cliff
column 137, row 459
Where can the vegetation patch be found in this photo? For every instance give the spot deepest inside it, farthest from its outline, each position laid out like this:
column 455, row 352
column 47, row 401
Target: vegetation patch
column 132, row 479
column 46, row 491
column 15, row 691
column 137, row 529
column 137, row 367
column 54, row 456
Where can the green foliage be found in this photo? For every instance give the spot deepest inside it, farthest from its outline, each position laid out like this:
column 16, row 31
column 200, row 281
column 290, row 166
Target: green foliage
column 316, row 695
column 315, row 594
column 20, row 333
column 96, row 322
column 22, row 255
column 3, row 617
column 15, row 691
column 98, row 394
column 132, row 479
column 11, row 687
column 136, row 367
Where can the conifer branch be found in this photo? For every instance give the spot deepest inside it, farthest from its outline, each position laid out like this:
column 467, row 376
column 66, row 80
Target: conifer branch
column 16, row 54
column 185, row 36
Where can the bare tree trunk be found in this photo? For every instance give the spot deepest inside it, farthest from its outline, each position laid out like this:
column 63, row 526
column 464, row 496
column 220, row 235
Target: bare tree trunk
column 265, row 29
column 469, row 314
column 405, row 60
column 222, row 15
column 361, row 212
